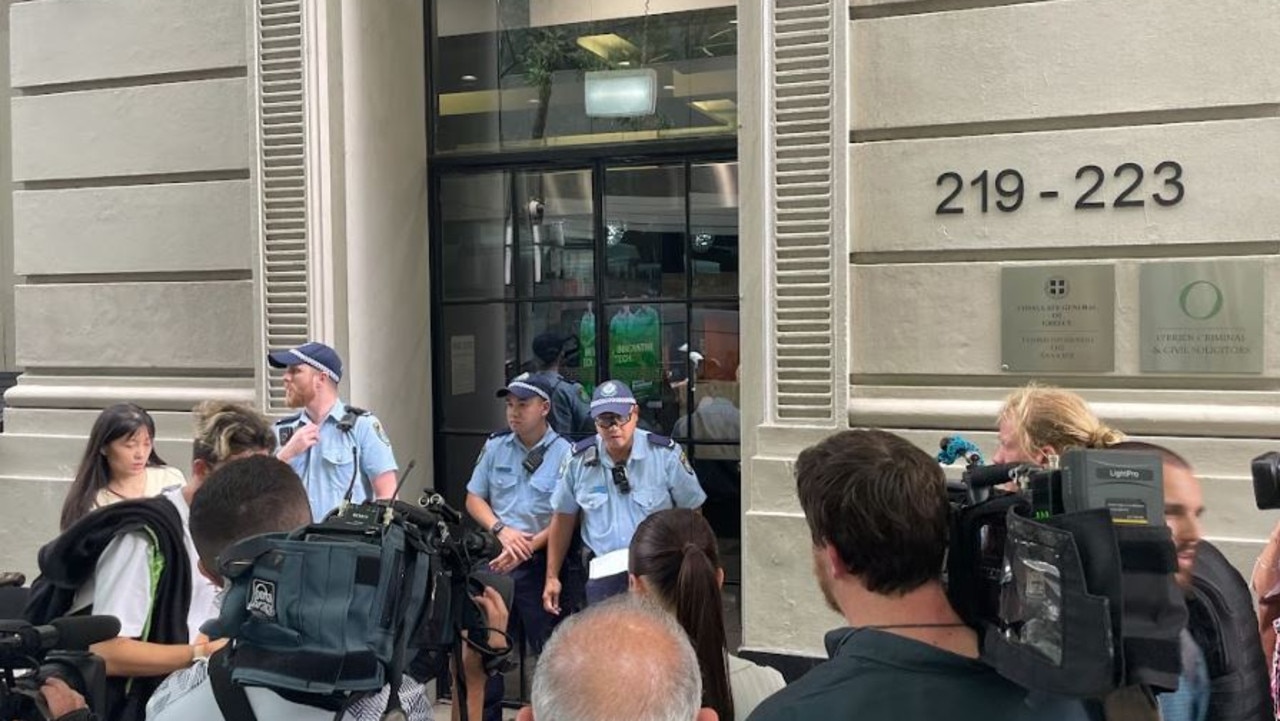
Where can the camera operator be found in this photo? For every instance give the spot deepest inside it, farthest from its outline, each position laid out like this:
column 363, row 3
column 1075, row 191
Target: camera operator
column 328, row 443
column 877, row 511
column 105, row 563
column 1038, row 421
column 616, row 479
column 260, row 495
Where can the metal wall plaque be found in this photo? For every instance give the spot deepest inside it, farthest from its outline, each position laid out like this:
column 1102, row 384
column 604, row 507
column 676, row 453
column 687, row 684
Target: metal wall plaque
column 1058, row 318
column 1202, row 317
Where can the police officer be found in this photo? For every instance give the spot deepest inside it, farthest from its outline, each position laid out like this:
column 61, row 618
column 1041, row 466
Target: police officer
column 569, row 410
column 615, row 479
column 326, row 440
column 510, row 494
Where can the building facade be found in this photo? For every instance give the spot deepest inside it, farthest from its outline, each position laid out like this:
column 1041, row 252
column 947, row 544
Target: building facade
column 840, row 216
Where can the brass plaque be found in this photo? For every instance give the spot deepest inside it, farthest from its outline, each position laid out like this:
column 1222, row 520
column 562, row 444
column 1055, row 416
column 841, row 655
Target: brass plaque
column 1058, row 318
column 1202, row 317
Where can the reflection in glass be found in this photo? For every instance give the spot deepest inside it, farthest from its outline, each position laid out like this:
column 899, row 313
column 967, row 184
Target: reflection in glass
column 557, row 248
column 480, row 355
column 709, row 393
column 644, row 214
column 476, row 236
column 512, row 74
column 559, row 336
column 713, row 226
column 643, row 351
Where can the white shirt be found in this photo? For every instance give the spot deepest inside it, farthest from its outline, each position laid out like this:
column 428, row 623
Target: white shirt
column 751, row 684
column 121, row 582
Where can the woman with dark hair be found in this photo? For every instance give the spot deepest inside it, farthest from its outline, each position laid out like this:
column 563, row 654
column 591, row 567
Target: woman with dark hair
column 674, row 559
column 119, row 463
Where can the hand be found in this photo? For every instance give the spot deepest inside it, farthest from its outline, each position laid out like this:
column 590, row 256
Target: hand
column 520, row 544
column 208, row 647
column 551, row 596
column 506, row 562
column 496, row 616
column 306, row 436
column 60, row 698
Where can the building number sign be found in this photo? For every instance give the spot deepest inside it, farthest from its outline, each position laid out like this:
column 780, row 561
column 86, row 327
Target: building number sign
column 1007, row 189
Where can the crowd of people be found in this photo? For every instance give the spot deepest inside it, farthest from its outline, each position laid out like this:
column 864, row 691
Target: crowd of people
column 617, row 577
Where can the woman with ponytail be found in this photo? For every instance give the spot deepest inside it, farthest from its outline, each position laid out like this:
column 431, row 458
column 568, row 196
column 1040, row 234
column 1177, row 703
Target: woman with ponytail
column 674, row 560
column 1039, row 421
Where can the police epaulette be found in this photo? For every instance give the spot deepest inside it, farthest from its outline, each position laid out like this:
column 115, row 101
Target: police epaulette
column 289, row 419
column 355, row 411
column 499, row 434
column 583, row 445
column 662, row 441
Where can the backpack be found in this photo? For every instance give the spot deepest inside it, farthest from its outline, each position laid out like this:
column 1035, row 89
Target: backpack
column 1223, row 623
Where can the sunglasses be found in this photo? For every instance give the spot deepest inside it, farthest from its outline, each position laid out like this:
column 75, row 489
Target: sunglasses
column 609, row 420
column 620, row 480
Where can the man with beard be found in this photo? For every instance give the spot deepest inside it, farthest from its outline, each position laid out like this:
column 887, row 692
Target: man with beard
column 877, row 510
column 330, row 445
column 1203, row 686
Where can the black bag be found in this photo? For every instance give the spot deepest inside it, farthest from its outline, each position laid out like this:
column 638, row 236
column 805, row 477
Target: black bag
column 1225, row 627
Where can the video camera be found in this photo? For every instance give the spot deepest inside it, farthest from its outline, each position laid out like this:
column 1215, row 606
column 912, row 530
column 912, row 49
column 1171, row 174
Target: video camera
column 1066, row 571
column 340, row 608
column 31, row 654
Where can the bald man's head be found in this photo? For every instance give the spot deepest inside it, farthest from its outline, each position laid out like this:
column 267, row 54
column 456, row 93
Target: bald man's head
column 624, row 658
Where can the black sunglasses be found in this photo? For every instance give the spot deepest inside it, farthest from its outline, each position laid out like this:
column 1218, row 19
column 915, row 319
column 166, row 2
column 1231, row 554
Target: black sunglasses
column 620, row 480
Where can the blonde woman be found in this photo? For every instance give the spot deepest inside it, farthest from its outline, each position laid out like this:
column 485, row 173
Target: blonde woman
column 1039, row 421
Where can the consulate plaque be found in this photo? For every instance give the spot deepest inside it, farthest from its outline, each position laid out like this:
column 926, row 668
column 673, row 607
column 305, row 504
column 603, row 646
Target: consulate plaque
column 1202, row 317
column 1058, row 318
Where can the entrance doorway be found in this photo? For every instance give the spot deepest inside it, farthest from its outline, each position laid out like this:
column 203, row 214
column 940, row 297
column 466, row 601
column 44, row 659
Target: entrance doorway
column 635, row 263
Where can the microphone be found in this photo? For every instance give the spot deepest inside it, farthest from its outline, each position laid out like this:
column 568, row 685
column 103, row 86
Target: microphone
column 78, row 633
column 72, row 633
column 987, row 476
column 957, row 447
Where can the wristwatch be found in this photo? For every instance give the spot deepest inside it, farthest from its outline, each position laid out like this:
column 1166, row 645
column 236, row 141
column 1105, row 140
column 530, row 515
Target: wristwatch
column 496, row 528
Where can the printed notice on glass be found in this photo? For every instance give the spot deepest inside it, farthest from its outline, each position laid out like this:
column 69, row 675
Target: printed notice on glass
column 462, row 365
column 1057, row 319
column 1202, row 317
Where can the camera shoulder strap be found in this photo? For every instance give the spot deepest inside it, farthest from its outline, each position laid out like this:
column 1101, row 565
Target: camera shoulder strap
column 232, row 700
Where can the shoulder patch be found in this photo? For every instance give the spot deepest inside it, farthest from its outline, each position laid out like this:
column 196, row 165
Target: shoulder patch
column 661, row 441
column 499, row 434
column 582, row 445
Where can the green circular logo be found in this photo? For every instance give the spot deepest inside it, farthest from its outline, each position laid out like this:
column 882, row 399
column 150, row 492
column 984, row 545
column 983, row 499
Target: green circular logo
column 1201, row 300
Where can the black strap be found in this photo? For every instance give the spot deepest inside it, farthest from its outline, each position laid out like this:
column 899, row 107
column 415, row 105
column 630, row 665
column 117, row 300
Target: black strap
column 232, row 700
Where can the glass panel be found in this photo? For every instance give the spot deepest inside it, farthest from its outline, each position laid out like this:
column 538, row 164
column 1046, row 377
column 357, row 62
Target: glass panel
column 644, row 215
column 713, row 229
column 714, row 379
column 720, row 473
column 557, row 234
column 573, row 324
column 644, row 352
column 479, row 356
column 476, row 236
column 460, row 453
column 513, row 75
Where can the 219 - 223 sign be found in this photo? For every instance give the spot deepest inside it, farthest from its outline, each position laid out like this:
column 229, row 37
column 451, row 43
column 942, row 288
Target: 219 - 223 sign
column 1007, row 189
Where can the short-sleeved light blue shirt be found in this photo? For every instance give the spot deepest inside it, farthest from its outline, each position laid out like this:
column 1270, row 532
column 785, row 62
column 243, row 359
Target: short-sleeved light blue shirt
column 520, row 499
column 327, row 466
column 660, row 478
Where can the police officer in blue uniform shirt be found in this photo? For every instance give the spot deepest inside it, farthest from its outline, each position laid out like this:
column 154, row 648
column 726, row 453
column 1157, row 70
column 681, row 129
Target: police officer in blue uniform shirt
column 510, row 494
column 327, row 440
column 615, row 479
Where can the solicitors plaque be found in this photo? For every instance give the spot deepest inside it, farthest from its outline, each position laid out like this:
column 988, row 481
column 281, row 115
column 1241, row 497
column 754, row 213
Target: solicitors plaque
column 1057, row 318
column 1202, row 317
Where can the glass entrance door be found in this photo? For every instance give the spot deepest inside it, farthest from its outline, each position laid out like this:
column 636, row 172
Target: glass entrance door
column 634, row 268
